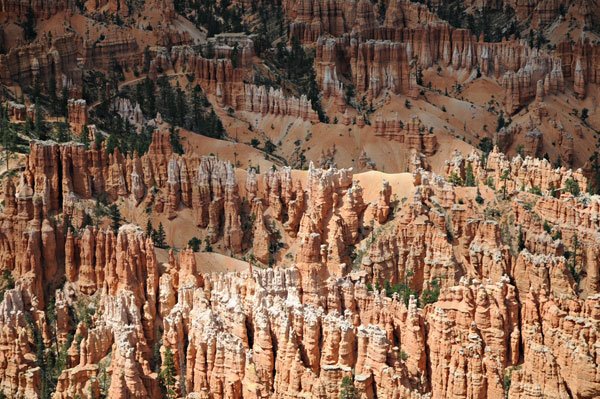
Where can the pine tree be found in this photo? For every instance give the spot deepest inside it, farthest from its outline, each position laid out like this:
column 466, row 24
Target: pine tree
column 235, row 56
column 115, row 216
column 175, row 139
column 38, row 125
column 521, row 240
column 194, row 244
column 501, row 122
column 112, row 143
column 572, row 187
column 347, row 389
column 52, row 94
column 197, row 123
column 98, row 139
column 8, row 138
column 478, row 197
column 150, row 98
column 585, row 113
column 147, row 60
column 64, row 102
column 181, row 108
column 469, row 176
column 29, row 25
column 160, row 237
column 167, row 375
column 505, row 176
column 62, row 134
column 207, row 246
column 150, row 229
column 85, row 137
column 215, row 127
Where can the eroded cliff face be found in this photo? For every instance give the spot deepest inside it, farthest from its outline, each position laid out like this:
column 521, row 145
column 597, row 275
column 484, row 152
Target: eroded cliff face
column 437, row 294
column 482, row 281
column 387, row 60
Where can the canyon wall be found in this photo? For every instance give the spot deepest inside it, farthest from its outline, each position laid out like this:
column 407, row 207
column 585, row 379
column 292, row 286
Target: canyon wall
column 356, row 301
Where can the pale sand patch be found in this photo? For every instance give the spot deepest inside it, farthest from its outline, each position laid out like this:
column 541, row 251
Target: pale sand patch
column 209, row 262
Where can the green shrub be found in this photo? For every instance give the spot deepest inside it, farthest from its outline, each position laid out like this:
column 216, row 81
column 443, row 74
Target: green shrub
column 194, row 244
column 347, row 389
column 431, row 295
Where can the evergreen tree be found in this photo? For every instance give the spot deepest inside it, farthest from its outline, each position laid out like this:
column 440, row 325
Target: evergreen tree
column 347, row 389
column 197, row 110
column 38, row 126
column 270, row 147
column 594, row 182
column 215, row 127
column 521, row 240
column 486, row 145
column 469, row 176
column 98, row 139
column 62, row 133
column 194, row 244
column 478, row 197
column 175, row 140
column 210, row 50
column 572, row 187
column 54, row 106
column 501, row 122
column 181, row 107
column 28, row 126
column 64, row 101
column 530, row 39
column 207, row 246
column 167, row 103
column 29, row 30
column 540, row 39
column 150, row 229
column 419, row 77
column 160, row 237
column 505, row 176
column 431, row 295
column 150, row 103
column 8, row 137
column 166, row 376
column 85, row 137
column 235, row 56
column 115, row 216
column 147, row 60
column 111, row 143
column 585, row 113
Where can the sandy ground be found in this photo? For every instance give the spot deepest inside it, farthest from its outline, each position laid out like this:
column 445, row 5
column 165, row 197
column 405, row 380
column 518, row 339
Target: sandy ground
column 209, row 262
column 240, row 154
column 372, row 181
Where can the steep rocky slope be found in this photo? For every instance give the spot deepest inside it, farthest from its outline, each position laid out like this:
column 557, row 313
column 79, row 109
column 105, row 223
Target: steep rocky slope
column 449, row 291
column 382, row 61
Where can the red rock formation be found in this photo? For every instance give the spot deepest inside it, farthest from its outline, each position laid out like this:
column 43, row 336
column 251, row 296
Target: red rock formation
column 414, row 301
column 522, row 174
column 466, row 348
column 216, row 75
column 299, row 330
column 379, row 59
column 17, row 10
column 77, row 115
column 414, row 133
column 312, row 19
column 261, row 99
column 16, row 112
